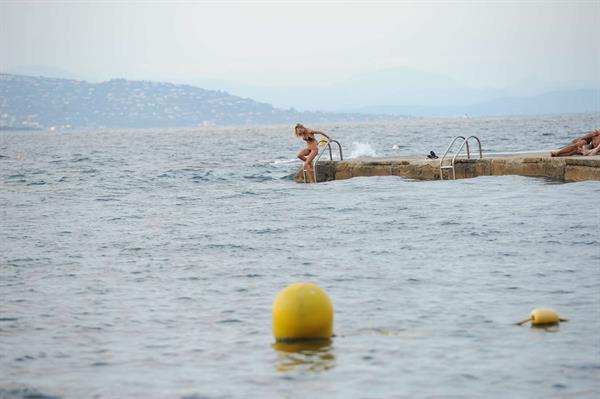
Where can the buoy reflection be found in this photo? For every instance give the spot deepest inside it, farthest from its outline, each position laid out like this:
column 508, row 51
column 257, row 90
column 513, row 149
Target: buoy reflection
column 551, row 328
column 312, row 356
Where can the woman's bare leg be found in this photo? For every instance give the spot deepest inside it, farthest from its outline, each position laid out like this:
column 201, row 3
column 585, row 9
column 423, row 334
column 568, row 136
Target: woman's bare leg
column 571, row 149
column 308, row 166
column 310, row 172
column 303, row 154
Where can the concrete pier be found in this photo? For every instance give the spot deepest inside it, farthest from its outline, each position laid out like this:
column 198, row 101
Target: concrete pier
column 533, row 164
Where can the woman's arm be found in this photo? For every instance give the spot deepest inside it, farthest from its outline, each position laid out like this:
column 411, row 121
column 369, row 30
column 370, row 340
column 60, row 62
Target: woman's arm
column 322, row 134
column 589, row 136
column 594, row 151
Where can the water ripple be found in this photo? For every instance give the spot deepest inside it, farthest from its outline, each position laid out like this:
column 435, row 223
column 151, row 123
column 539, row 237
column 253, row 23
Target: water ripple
column 160, row 267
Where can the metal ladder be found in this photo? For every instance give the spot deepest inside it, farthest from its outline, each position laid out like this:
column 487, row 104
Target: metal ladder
column 452, row 162
column 327, row 146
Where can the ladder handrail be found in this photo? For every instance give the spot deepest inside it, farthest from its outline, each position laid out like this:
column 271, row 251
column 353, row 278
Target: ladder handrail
column 444, row 157
column 457, row 153
column 478, row 145
column 450, row 146
column 330, row 152
column 328, row 146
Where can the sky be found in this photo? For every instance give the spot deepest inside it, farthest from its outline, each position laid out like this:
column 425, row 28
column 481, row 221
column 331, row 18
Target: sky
column 478, row 43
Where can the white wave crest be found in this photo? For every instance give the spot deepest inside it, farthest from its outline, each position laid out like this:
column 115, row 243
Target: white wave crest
column 362, row 150
column 283, row 161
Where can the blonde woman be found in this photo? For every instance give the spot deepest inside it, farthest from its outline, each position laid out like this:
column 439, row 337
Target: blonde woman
column 312, row 148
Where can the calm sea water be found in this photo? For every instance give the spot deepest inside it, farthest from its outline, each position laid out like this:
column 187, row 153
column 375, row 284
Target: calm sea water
column 143, row 264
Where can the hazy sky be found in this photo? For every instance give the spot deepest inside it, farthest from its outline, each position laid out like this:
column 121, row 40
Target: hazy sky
column 480, row 43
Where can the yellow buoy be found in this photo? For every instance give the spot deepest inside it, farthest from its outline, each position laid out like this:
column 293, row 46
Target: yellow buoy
column 302, row 311
column 543, row 317
column 322, row 142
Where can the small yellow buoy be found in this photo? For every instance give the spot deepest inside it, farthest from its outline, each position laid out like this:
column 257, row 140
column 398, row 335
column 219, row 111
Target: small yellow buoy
column 302, row 311
column 543, row 317
column 322, row 142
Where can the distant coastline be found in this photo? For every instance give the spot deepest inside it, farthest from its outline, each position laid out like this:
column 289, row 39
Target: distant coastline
column 18, row 129
column 29, row 103
column 42, row 103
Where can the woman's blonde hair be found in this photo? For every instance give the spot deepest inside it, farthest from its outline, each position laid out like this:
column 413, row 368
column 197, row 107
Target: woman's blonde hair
column 297, row 130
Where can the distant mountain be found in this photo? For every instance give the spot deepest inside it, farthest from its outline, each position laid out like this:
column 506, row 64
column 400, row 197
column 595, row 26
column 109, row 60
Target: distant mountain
column 401, row 78
column 534, row 87
column 38, row 102
column 564, row 101
column 401, row 85
column 42, row 70
column 403, row 90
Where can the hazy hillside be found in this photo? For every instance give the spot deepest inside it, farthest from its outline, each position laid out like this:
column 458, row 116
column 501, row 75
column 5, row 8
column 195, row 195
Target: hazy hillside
column 558, row 102
column 404, row 90
column 37, row 102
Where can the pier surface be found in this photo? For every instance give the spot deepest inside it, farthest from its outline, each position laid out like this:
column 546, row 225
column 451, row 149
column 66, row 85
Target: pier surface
column 534, row 164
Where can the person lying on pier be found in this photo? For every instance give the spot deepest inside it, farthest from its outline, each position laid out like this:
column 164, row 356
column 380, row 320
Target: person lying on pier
column 310, row 152
column 584, row 145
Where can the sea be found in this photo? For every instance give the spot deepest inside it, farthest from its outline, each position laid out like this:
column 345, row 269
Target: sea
column 144, row 263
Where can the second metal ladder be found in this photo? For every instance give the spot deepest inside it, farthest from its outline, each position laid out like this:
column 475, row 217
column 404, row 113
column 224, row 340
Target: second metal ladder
column 452, row 162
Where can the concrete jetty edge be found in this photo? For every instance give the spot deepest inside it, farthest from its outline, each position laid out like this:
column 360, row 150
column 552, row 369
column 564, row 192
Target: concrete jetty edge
column 534, row 164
